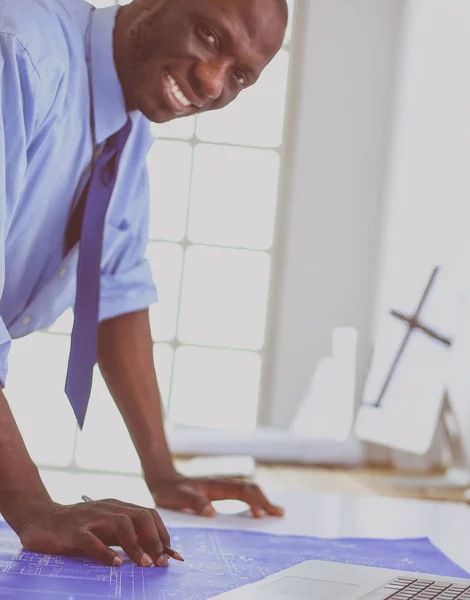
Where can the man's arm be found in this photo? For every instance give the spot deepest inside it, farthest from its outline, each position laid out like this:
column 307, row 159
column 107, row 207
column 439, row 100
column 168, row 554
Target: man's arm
column 21, row 488
column 41, row 524
column 22, row 493
column 45, row 526
column 125, row 356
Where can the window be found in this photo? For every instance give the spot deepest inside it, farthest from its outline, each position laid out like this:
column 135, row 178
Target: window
column 214, row 195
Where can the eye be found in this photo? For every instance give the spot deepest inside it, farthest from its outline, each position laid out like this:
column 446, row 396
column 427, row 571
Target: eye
column 241, row 78
column 210, row 37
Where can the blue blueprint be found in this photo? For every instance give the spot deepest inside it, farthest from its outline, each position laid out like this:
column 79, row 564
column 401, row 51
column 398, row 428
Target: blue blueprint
column 216, row 561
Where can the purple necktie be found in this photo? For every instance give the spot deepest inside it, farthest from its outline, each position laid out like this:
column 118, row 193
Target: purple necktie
column 83, row 349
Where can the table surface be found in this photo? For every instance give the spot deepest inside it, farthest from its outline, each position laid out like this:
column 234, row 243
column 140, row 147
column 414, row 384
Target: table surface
column 308, row 512
column 364, row 481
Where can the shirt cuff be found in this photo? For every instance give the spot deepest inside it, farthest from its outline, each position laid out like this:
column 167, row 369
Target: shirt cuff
column 127, row 292
column 5, row 343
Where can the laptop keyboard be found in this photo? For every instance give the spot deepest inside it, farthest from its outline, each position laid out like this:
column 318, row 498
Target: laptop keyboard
column 404, row 588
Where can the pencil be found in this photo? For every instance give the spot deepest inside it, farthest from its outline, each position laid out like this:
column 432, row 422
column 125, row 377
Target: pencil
column 168, row 551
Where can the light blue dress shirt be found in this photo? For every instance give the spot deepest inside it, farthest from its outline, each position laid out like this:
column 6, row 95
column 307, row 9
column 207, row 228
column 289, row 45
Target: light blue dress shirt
column 49, row 52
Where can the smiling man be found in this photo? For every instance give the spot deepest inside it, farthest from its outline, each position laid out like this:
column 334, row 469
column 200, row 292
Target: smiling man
column 78, row 89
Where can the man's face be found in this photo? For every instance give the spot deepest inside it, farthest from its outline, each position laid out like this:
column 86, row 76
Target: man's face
column 189, row 56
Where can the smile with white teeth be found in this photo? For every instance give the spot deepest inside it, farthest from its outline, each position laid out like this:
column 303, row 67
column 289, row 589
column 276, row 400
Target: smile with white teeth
column 177, row 92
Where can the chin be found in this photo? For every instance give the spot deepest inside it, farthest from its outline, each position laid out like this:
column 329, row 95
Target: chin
column 153, row 112
column 157, row 116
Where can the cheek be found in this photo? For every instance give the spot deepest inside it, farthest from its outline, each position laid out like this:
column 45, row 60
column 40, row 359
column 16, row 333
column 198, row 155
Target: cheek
column 145, row 78
column 179, row 40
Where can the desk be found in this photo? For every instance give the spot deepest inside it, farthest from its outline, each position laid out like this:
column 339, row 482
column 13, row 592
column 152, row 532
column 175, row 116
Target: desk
column 364, row 481
column 307, row 512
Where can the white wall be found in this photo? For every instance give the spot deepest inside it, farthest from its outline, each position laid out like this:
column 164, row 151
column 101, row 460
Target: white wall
column 427, row 198
column 336, row 153
column 427, row 216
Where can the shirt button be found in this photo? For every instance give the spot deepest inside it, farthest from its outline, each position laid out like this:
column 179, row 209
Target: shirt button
column 62, row 272
column 26, row 320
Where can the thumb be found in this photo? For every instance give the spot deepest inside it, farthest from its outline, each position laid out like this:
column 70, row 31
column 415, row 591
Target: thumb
column 198, row 502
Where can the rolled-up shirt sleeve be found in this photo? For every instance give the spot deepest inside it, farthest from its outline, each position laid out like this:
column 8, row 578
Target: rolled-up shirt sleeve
column 19, row 114
column 127, row 283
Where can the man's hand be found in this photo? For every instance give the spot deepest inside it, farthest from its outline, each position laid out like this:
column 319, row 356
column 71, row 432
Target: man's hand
column 196, row 495
column 126, row 361
column 92, row 527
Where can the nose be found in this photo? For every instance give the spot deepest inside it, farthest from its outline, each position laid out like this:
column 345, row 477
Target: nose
column 211, row 76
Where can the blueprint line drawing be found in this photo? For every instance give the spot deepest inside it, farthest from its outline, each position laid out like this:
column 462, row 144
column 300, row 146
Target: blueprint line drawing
column 215, row 561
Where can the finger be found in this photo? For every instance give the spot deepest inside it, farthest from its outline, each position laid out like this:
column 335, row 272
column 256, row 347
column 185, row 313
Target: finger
column 252, row 495
column 235, row 490
column 92, row 546
column 253, row 501
column 196, row 501
column 246, row 492
column 269, row 509
column 129, row 542
column 148, row 535
column 161, row 528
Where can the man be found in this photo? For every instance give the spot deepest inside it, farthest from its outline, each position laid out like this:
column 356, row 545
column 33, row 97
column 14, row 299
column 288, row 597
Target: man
column 77, row 90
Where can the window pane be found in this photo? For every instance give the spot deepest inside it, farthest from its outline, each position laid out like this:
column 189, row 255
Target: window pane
column 182, row 128
column 224, row 297
column 256, row 117
column 64, row 323
column 35, row 392
column 215, row 388
column 288, row 35
column 166, row 261
column 233, row 196
column 104, row 443
column 169, row 165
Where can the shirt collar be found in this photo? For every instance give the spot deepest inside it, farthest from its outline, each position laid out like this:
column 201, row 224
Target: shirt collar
column 109, row 106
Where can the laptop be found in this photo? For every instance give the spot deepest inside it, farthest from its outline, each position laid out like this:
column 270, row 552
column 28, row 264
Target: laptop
column 318, row 580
